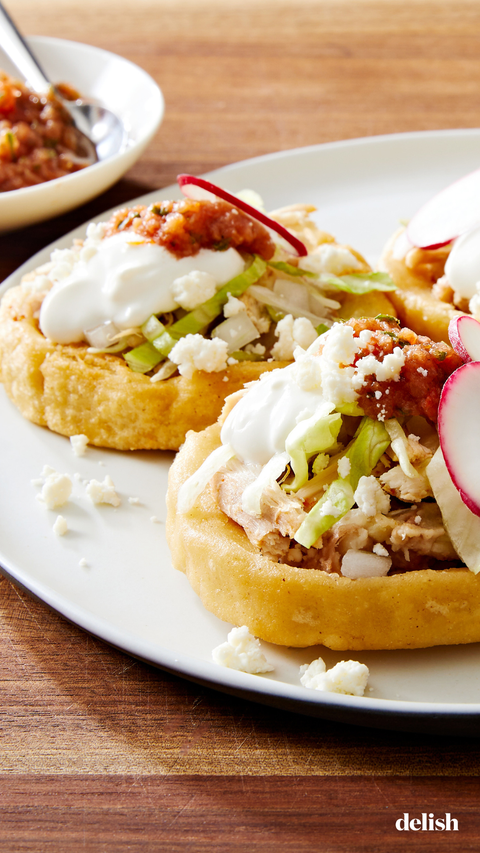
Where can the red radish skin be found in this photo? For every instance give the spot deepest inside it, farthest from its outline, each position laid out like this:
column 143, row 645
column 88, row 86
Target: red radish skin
column 201, row 190
column 458, row 431
column 464, row 334
column 454, row 211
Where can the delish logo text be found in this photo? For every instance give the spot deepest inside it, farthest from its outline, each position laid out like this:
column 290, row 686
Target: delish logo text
column 427, row 823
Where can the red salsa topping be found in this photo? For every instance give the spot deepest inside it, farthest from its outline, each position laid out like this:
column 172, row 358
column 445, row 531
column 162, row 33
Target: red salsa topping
column 184, row 227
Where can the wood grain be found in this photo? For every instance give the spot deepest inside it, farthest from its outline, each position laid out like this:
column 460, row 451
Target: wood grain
column 72, row 705
column 215, row 814
column 101, row 752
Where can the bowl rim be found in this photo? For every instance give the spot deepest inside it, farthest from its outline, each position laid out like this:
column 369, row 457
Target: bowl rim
column 153, row 125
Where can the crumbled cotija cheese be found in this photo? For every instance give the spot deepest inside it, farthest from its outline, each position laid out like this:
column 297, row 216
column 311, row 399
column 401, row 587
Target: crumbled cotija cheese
column 330, row 258
column 193, row 288
column 370, row 497
column 292, row 333
column 60, row 527
column 389, row 368
column 193, row 352
column 339, row 350
column 256, row 349
column 242, row 652
column 344, row 467
column 56, row 490
column 233, row 306
column 348, row 676
column 380, row 550
column 329, row 508
column 103, row 493
column 79, row 444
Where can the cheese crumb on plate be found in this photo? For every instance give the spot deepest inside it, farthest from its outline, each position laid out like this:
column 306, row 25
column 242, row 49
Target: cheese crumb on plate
column 79, row 444
column 103, row 493
column 242, row 652
column 349, row 677
column 60, row 527
column 56, row 489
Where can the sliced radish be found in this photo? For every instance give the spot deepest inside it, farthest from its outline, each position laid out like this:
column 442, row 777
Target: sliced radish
column 458, row 430
column 201, row 190
column 452, row 212
column 464, row 334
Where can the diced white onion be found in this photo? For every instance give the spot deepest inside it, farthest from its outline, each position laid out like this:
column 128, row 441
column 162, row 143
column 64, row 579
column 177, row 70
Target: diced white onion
column 101, row 336
column 268, row 297
column 113, row 348
column 236, row 331
column 167, row 369
column 319, row 298
column 296, row 294
column 364, row 564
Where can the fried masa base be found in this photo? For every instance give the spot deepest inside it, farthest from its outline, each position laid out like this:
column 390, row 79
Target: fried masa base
column 305, row 607
column 416, row 306
column 72, row 391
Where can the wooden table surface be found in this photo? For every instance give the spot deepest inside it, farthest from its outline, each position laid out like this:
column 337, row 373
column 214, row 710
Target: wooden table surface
column 98, row 751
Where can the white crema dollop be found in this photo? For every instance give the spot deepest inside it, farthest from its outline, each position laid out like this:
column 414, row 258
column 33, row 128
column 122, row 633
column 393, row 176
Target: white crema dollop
column 124, row 281
column 258, row 425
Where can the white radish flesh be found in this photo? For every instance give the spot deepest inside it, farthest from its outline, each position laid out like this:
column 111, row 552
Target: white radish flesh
column 454, row 211
column 464, row 334
column 462, row 526
column 458, row 431
column 201, row 190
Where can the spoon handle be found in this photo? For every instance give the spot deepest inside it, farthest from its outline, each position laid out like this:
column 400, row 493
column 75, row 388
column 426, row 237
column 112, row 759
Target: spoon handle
column 20, row 54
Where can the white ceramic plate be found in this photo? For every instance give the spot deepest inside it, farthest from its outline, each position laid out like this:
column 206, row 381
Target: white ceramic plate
column 115, row 83
column 129, row 594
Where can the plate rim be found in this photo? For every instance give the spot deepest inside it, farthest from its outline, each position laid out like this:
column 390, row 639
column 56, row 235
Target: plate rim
column 416, row 715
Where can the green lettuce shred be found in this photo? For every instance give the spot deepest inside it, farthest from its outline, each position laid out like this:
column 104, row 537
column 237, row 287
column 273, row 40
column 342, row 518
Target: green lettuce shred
column 290, row 269
column 201, row 317
column 369, row 443
column 143, row 358
column 360, row 283
column 313, row 435
column 148, row 355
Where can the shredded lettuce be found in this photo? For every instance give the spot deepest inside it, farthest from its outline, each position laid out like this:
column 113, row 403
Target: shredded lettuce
column 152, row 328
column 352, row 409
column 289, row 269
column 369, row 443
column 252, row 496
column 194, row 486
column 243, row 355
column 400, row 447
column 197, row 320
column 312, row 435
column 359, row 283
column 143, row 358
column 339, row 496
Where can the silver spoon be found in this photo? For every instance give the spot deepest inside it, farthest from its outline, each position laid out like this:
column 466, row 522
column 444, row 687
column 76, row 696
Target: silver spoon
column 101, row 134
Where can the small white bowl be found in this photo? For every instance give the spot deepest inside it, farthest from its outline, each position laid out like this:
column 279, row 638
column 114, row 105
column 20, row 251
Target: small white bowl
column 118, row 85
